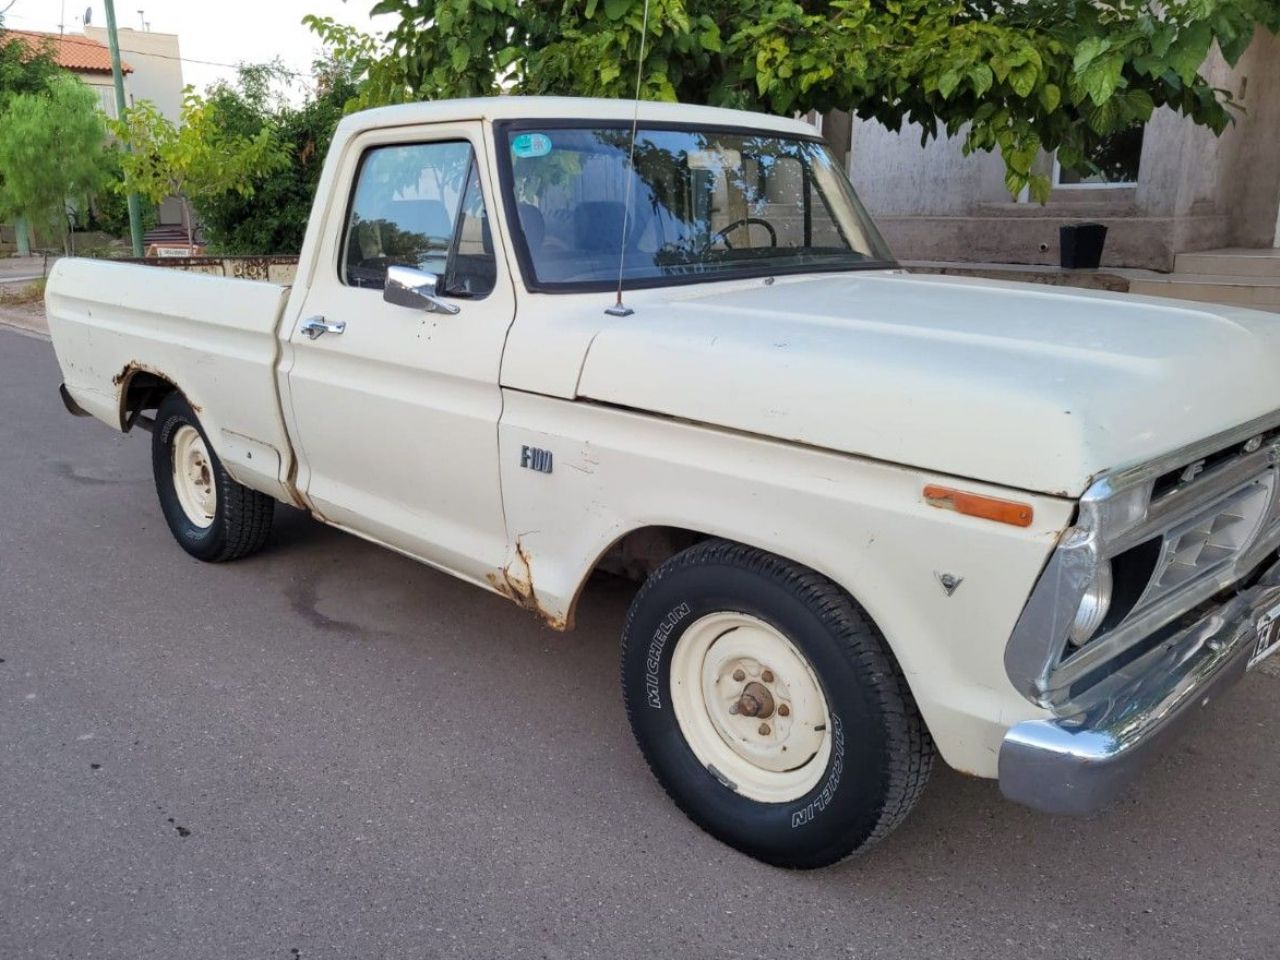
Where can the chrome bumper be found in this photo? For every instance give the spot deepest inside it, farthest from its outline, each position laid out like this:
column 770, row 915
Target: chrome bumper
column 1075, row 764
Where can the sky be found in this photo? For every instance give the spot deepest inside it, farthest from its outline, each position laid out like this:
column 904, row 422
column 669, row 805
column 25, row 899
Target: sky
column 220, row 32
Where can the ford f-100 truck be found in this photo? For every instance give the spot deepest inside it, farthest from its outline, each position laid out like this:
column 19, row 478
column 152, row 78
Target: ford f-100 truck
column 875, row 516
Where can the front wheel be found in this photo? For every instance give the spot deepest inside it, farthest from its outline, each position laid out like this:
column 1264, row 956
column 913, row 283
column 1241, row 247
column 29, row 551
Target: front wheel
column 766, row 704
column 212, row 517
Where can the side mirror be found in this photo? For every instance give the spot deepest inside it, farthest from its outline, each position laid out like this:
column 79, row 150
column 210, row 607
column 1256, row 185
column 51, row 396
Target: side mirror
column 407, row 287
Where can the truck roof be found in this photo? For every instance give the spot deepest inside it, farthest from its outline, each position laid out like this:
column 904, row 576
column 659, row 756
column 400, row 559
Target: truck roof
column 563, row 108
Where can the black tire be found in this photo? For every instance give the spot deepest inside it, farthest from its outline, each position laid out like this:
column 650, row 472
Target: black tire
column 242, row 517
column 881, row 754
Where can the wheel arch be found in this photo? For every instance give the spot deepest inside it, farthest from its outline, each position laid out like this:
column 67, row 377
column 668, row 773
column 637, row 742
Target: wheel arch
column 142, row 388
column 642, row 548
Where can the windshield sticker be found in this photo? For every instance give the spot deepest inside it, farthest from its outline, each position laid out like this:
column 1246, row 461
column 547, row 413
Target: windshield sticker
column 529, row 145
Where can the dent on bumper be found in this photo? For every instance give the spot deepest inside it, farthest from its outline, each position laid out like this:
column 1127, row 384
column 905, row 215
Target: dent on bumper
column 1078, row 763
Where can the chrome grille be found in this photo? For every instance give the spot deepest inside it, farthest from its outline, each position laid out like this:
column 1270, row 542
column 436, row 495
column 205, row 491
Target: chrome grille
column 1210, row 539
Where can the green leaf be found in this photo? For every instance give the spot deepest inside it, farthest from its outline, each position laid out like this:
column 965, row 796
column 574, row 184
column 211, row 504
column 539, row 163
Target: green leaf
column 1014, row 182
column 590, row 10
column 1138, row 104
column 1102, row 77
column 1050, row 97
column 1023, row 79
column 1190, row 50
column 1088, row 50
column 616, row 9
column 981, row 77
column 1162, row 38
column 1040, row 189
column 1022, row 158
column 948, row 82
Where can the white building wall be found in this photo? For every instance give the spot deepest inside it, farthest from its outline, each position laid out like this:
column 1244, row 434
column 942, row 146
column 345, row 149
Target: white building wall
column 157, row 66
column 1194, row 190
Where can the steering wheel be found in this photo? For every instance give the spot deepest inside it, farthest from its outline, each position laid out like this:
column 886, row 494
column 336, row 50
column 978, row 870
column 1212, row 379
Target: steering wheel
column 720, row 235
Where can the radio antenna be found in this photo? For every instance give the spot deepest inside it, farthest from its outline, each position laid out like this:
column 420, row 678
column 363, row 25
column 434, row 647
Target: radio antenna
column 619, row 309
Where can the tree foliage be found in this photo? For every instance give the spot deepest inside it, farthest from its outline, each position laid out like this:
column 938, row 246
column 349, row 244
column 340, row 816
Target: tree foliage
column 110, row 210
column 51, row 151
column 273, row 218
column 24, row 68
column 197, row 159
column 1016, row 76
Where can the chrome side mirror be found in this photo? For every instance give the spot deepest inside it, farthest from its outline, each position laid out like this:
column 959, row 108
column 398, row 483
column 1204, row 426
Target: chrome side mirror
column 408, row 287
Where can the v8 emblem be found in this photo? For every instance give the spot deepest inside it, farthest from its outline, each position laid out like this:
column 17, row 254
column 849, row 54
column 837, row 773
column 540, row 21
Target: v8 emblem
column 535, row 458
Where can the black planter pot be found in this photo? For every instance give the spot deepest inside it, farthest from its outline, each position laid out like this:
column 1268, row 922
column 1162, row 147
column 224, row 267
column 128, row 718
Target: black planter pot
column 1081, row 245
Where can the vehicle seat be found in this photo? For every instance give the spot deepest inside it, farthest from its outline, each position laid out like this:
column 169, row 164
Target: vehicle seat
column 533, row 225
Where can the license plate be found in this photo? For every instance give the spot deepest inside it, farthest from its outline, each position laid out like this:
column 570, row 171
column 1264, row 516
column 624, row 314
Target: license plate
column 1268, row 638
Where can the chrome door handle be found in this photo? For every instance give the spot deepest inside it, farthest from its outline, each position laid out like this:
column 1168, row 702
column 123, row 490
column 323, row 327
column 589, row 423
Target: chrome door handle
column 314, row 327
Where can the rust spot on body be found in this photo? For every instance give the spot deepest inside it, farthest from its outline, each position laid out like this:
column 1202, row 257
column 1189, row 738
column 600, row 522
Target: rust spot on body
column 515, row 582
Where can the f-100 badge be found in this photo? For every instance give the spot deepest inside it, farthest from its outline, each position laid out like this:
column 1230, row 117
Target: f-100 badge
column 535, row 458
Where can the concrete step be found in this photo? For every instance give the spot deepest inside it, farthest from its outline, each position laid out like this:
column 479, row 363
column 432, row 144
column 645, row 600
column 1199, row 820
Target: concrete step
column 1230, row 262
column 1259, row 293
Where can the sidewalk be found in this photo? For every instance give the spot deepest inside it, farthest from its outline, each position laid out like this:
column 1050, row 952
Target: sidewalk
column 23, row 269
column 25, row 318
column 16, row 273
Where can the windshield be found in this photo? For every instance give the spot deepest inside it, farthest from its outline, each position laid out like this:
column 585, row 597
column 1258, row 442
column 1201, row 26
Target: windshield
column 704, row 205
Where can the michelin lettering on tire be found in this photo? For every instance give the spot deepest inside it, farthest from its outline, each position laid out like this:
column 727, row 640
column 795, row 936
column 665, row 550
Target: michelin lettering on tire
column 809, row 811
column 653, row 662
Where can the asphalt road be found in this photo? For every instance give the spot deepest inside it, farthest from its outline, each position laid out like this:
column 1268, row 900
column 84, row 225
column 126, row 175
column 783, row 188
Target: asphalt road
column 329, row 751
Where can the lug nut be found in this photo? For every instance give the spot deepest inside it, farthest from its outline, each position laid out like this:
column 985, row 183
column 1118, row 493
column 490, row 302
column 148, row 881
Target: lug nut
column 739, row 675
column 784, row 711
column 764, row 729
column 767, row 676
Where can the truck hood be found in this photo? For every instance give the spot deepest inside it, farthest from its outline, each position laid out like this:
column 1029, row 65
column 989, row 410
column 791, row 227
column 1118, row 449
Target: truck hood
column 1025, row 386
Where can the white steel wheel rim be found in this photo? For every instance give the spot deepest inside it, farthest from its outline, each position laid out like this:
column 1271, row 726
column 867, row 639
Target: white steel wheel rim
column 723, row 666
column 193, row 476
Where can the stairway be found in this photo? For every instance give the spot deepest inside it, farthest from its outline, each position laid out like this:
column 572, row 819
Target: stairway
column 1245, row 278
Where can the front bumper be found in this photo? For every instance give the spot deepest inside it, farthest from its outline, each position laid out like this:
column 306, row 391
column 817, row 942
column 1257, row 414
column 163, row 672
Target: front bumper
column 1075, row 764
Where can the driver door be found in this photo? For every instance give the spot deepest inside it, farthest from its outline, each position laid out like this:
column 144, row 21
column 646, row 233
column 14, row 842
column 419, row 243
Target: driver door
column 394, row 409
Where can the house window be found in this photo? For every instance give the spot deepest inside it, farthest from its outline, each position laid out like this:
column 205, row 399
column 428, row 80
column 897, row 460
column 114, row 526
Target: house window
column 1113, row 163
column 107, row 100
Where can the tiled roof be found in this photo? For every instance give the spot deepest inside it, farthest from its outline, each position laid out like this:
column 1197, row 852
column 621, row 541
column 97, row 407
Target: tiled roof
column 71, row 52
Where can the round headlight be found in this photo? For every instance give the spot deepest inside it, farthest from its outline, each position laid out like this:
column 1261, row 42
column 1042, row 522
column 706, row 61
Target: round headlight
column 1093, row 606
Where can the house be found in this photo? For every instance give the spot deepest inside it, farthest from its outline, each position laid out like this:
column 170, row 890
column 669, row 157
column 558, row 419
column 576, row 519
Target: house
column 152, row 68
column 151, row 62
column 1169, row 190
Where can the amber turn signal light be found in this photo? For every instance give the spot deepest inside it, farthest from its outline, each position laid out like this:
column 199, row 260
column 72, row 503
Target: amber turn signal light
column 977, row 505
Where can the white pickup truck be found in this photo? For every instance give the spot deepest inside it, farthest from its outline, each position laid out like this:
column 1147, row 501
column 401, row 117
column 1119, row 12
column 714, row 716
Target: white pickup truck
column 875, row 515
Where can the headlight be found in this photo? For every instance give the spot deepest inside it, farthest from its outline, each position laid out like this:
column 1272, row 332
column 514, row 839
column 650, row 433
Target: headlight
column 1093, row 606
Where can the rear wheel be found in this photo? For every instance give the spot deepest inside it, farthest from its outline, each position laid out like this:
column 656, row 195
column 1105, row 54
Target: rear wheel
column 212, row 517
column 768, row 707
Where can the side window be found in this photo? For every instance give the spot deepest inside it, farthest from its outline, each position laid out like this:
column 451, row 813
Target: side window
column 419, row 205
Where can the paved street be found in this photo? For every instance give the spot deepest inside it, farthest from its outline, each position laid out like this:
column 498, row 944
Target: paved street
column 329, row 751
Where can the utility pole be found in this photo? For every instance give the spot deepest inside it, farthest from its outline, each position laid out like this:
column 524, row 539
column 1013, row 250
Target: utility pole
column 135, row 208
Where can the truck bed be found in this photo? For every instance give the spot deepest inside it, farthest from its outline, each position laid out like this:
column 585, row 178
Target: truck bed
column 209, row 336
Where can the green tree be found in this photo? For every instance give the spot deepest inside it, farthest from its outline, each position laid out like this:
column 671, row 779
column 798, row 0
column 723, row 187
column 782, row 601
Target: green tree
column 274, row 219
column 24, row 68
column 51, row 151
column 1016, row 76
column 110, row 210
column 196, row 159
